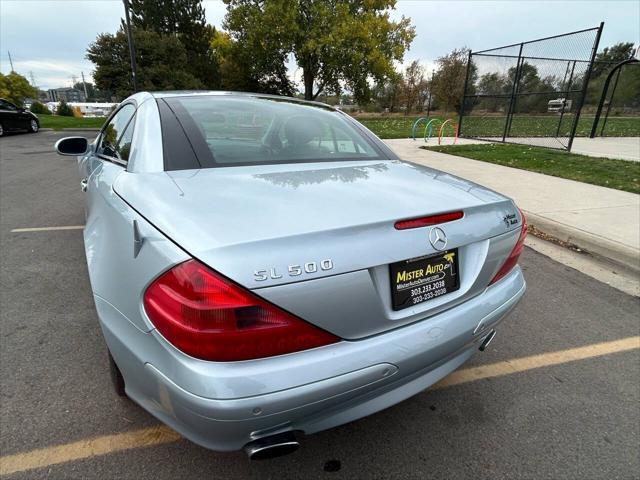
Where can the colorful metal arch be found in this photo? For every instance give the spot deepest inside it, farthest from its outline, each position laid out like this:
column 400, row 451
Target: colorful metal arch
column 455, row 131
column 415, row 126
column 428, row 129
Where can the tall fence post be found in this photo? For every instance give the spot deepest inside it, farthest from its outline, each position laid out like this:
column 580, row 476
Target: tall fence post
column 603, row 96
column 464, row 93
column 514, row 89
column 613, row 93
column 566, row 92
column 585, row 84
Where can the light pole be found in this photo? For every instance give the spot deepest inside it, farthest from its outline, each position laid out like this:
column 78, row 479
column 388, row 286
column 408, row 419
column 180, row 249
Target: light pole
column 132, row 48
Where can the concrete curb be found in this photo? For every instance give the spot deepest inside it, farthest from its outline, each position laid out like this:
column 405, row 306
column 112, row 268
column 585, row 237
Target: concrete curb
column 611, row 250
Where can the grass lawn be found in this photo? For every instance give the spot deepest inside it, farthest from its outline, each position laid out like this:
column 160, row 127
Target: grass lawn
column 521, row 126
column 58, row 123
column 547, row 126
column 618, row 174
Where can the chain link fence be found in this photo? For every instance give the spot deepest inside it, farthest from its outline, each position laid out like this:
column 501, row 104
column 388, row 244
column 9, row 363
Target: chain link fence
column 531, row 92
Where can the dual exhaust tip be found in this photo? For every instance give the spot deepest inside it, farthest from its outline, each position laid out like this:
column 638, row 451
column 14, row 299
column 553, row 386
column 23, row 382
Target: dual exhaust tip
column 272, row 446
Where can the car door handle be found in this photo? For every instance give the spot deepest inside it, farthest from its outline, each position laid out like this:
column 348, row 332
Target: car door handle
column 84, row 183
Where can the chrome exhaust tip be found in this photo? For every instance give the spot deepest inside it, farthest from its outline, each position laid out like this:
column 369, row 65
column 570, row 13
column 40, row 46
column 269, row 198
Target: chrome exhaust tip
column 272, row 446
column 487, row 340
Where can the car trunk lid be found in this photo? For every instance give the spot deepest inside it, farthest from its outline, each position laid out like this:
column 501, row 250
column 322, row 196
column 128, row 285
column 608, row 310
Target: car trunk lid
column 275, row 226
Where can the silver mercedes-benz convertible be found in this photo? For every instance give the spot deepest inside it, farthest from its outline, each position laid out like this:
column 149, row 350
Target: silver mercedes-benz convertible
column 264, row 267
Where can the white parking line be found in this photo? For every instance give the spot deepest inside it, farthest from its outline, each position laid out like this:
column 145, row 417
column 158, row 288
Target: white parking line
column 47, row 229
column 161, row 434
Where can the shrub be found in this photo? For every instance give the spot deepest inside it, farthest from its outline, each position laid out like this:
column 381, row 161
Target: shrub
column 64, row 110
column 37, row 107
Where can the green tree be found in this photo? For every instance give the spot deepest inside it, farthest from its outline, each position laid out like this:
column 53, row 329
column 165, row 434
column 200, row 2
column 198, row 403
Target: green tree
column 94, row 94
column 387, row 93
column 249, row 69
column 64, row 110
column 336, row 43
column 529, row 81
column 492, row 83
column 185, row 20
column 448, row 82
column 629, row 75
column 161, row 62
column 15, row 88
column 40, row 108
column 609, row 56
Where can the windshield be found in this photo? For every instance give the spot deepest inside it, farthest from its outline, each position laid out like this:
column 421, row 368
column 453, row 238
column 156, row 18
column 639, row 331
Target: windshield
column 235, row 130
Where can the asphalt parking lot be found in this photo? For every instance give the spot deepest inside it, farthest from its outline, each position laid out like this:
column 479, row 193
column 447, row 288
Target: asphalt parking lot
column 557, row 396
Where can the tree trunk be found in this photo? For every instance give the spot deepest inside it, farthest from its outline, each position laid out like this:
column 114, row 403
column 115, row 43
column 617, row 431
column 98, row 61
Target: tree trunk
column 307, row 75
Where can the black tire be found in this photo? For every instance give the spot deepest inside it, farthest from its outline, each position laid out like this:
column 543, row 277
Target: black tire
column 1, row 130
column 116, row 378
column 34, row 126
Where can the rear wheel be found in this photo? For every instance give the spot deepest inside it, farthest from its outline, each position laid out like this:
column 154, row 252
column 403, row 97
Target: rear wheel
column 116, row 377
column 33, row 126
column 1, row 130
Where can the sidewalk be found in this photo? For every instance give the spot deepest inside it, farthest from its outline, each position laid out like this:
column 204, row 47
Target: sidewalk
column 599, row 220
column 620, row 148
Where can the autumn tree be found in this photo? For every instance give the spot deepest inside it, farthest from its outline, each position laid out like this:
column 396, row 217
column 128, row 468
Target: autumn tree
column 413, row 83
column 448, row 82
column 15, row 88
column 336, row 43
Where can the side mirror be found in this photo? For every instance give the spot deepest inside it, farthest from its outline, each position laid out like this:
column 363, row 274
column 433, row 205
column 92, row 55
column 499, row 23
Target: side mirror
column 72, row 146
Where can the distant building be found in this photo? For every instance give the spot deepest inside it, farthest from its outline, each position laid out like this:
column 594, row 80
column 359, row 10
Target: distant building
column 43, row 96
column 66, row 94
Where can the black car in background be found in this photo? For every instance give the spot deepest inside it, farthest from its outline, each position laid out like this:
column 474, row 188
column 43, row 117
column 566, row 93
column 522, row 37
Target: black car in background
column 14, row 118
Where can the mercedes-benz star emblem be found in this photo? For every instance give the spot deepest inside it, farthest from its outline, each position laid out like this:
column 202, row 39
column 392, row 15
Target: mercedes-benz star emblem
column 438, row 238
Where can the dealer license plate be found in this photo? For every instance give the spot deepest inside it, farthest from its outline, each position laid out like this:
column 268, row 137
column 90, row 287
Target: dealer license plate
column 419, row 280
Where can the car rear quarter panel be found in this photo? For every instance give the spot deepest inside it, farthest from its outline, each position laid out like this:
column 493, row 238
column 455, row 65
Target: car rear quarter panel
column 117, row 277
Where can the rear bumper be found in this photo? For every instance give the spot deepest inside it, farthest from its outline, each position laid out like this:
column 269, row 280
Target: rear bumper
column 224, row 406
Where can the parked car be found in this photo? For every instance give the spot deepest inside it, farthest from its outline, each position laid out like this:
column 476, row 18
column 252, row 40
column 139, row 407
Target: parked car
column 14, row 118
column 559, row 105
column 264, row 267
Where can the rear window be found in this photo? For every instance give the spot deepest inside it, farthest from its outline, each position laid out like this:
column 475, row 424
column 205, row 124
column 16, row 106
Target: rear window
column 229, row 131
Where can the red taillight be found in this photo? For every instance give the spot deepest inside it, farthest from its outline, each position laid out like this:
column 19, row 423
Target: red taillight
column 512, row 259
column 208, row 317
column 426, row 221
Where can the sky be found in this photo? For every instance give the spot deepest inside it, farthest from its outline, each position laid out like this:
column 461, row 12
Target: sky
column 48, row 38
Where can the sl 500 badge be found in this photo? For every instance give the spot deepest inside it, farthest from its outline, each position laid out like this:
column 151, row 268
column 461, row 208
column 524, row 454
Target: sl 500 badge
column 293, row 270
